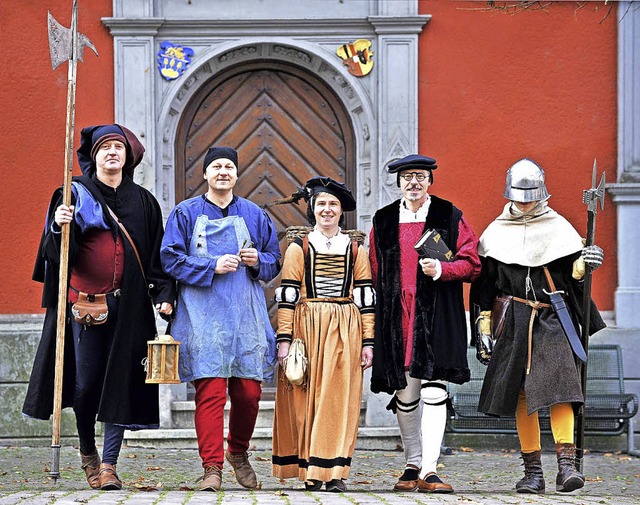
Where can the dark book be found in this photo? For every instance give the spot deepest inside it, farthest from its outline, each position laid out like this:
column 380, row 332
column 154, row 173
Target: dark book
column 431, row 245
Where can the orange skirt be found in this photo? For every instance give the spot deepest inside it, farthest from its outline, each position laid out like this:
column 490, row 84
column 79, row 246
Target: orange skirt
column 316, row 424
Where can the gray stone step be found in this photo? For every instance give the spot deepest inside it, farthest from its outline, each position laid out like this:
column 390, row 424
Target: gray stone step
column 384, row 439
column 182, row 414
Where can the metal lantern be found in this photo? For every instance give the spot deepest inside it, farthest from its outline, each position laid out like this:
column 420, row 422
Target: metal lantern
column 162, row 360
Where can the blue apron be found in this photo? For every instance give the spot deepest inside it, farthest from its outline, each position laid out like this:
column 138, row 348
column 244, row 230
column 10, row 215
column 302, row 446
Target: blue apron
column 224, row 328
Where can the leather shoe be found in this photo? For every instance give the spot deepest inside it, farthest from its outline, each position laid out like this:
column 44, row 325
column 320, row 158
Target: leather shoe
column 212, row 479
column 108, row 478
column 91, row 467
column 313, row 485
column 432, row 484
column 245, row 475
column 408, row 481
column 336, row 486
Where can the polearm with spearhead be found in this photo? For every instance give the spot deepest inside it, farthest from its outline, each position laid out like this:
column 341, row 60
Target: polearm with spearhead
column 65, row 44
column 591, row 197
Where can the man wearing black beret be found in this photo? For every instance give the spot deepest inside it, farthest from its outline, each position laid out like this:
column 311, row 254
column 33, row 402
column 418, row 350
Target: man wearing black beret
column 420, row 331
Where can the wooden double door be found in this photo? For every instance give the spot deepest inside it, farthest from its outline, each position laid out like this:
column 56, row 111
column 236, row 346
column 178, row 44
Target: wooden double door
column 287, row 127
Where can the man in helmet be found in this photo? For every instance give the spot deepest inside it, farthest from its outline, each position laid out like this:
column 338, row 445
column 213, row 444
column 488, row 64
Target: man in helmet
column 420, row 331
column 527, row 252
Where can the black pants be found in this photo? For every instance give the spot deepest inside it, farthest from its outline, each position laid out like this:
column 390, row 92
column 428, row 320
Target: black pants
column 92, row 349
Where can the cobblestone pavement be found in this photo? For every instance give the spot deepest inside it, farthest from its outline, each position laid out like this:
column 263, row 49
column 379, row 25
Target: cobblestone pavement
column 168, row 477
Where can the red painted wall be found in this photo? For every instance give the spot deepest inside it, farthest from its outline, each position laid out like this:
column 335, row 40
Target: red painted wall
column 495, row 88
column 32, row 130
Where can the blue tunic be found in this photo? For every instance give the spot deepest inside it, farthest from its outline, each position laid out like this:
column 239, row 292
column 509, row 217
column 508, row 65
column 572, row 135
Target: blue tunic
column 221, row 319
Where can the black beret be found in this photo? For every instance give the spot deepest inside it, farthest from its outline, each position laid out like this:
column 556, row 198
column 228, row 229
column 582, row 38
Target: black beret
column 412, row 161
column 335, row 188
column 217, row 152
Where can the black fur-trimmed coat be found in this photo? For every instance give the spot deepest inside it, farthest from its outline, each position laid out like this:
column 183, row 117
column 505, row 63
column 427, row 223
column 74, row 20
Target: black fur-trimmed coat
column 440, row 332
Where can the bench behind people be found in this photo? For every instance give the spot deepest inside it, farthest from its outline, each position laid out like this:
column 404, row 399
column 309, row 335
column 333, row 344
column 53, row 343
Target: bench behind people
column 608, row 411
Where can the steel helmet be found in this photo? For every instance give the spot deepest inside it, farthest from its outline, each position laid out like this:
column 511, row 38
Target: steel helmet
column 525, row 182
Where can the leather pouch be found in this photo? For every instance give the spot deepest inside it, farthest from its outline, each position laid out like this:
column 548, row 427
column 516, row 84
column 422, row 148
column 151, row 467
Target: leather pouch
column 90, row 310
column 498, row 314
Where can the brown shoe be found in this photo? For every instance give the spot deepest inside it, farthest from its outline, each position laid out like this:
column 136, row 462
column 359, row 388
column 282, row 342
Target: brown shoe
column 108, row 478
column 91, row 467
column 245, row 475
column 432, row 484
column 212, row 479
column 408, row 481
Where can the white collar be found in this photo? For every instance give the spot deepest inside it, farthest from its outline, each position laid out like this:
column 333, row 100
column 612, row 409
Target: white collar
column 333, row 245
column 408, row 216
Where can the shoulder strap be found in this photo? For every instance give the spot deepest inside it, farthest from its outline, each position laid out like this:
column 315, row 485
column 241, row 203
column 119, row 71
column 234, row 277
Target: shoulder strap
column 552, row 286
column 126, row 234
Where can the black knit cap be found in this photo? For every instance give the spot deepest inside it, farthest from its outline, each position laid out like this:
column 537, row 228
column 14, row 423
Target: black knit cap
column 412, row 162
column 335, row 188
column 217, row 152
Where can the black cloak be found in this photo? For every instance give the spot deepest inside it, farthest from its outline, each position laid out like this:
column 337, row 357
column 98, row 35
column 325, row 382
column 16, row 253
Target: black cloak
column 440, row 330
column 554, row 377
column 125, row 399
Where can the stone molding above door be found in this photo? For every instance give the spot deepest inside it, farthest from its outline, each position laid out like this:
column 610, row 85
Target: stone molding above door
column 383, row 106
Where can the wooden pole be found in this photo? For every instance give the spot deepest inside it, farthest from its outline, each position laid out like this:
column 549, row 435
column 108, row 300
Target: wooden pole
column 64, row 250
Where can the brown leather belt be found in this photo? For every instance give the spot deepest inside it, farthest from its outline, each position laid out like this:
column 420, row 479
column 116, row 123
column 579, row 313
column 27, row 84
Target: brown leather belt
column 535, row 306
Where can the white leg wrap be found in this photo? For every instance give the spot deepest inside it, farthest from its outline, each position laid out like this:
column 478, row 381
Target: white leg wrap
column 409, row 413
column 434, row 419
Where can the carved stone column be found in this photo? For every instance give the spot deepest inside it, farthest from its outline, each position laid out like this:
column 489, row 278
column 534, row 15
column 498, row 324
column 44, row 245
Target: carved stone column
column 134, row 61
column 626, row 191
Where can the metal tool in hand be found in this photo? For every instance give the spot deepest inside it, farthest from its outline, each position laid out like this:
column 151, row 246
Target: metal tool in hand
column 590, row 197
column 65, row 44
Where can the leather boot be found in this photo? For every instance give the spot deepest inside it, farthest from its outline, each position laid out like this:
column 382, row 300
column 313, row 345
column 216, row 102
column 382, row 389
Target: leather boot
column 533, row 480
column 245, row 474
column 91, row 467
column 108, row 478
column 569, row 478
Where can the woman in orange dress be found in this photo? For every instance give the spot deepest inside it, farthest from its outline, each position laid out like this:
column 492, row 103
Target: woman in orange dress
column 326, row 298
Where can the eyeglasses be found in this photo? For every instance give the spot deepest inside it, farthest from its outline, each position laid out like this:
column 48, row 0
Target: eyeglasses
column 410, row 175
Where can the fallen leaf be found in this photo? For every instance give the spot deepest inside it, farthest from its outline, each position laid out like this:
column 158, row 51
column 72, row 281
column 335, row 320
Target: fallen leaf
column 280, row 492
column 467, row 449
column 185, row 488
column 597, row 478
column 131, row 456
column 153, row 468
column 363, row 482
column 261, row 458
column 144, row 488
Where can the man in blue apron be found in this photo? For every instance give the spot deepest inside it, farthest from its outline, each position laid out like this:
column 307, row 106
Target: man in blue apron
column 219, row 247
